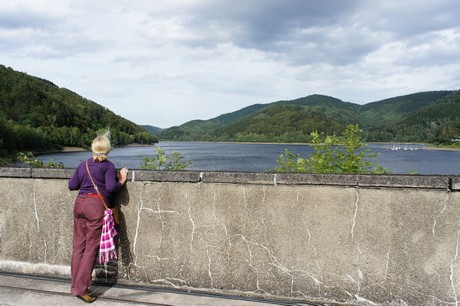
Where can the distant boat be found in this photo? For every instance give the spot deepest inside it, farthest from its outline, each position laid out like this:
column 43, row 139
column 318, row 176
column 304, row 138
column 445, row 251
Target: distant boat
column 406, row 147
column 395, row 147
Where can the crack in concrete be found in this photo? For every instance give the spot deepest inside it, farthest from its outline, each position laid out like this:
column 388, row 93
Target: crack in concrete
column 439, row 214
column 244, row 198
column 192, row 236
column 157, row 257
column 209, row 268
column 37, row 218
column 169, row 281
column 45, row 255
column 229, row 244
column 264, row 195
column 274, row 261
column 402, row 301
column 318, row 282
column 435, row 298
column 361, row 299
column 358, row 254
column 160, row 213
column 387, row 264
column 249, row 261
column 35, row 207
column 160, row 243
column 355, row 214
column 136, row 235
column 452, row 272
column 214, row 201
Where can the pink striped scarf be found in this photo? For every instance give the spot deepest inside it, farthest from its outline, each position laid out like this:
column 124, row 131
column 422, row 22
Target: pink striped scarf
column 107, row 250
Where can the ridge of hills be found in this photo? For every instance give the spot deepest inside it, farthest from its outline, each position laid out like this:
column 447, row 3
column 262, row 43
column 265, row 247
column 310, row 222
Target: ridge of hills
column 154, row 130
column 430, row 117
column 38, row 116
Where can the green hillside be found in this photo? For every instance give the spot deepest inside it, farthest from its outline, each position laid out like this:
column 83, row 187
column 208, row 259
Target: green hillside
column 290, row 122
column 196, row 130
column 152, row 129
column 293, row 121
column 281, row 121
column 436, row 122
column 36, row 115
column 394, row 109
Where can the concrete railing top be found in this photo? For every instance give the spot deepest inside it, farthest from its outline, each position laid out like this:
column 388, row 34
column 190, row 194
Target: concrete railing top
column 446, row 182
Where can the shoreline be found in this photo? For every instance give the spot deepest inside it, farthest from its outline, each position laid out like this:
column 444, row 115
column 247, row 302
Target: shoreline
column 427, row 146
column 72, row 149
column 80, row 149
column 443, row 148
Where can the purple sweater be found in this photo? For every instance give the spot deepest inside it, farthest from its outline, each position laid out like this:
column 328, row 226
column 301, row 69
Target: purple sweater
column 104, row 175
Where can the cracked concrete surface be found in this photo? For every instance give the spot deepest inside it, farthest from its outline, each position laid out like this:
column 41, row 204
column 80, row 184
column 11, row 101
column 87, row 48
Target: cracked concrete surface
column 368, row 246
column 296, row 241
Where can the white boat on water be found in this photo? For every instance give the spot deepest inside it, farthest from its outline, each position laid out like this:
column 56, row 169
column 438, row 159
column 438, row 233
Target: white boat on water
column 406, row 146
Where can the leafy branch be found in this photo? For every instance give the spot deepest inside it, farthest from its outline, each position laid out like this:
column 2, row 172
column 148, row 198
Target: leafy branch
column 29, row 159
column 333, row 155
column 161, row 161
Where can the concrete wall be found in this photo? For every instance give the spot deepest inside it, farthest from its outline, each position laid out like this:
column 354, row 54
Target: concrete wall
column 386, row 239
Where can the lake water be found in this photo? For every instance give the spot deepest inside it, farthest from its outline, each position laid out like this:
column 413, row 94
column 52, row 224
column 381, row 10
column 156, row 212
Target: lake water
column 243, row 157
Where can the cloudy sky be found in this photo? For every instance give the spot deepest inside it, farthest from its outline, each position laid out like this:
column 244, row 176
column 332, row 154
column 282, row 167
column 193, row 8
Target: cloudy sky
column 165, row 62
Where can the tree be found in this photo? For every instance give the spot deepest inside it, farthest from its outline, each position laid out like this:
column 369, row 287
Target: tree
column 161, row 161
column 29, row 159
column 332, row 155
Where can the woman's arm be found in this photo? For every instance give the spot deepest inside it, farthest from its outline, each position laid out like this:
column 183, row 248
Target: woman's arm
column 114, row 180
column 74, row 182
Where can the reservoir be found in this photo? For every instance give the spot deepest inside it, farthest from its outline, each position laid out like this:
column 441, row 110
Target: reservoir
column 251, row 157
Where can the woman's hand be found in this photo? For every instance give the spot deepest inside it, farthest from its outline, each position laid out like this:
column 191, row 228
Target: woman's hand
column 122, row 175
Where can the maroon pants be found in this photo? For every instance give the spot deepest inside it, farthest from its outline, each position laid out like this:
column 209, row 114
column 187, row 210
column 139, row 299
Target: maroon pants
column 88, row 215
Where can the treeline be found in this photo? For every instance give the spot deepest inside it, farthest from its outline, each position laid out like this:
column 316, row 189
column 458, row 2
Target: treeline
column 437, row 123
column 430, row 117
column 37, row 115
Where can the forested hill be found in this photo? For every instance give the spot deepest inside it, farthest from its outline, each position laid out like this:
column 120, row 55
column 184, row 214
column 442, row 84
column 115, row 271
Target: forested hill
column 152, row 129
column 281, row 121
column 432, row 117
column 436, row 121
column 36, row 115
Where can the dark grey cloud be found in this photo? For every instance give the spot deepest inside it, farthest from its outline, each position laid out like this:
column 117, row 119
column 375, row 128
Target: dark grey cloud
column 262, row 25
column 407, row 19
column 306, row 32
column 265, row 24
column 295, row 31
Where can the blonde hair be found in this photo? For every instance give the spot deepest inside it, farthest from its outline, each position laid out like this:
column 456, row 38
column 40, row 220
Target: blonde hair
column 101, row 147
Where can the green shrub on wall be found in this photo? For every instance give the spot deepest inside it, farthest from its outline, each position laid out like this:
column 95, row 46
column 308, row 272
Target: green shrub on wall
column 333, row 154
column 29, row 159
column 161, row 161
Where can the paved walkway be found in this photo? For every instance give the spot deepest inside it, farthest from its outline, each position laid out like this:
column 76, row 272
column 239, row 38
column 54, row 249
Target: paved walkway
column 31, row 290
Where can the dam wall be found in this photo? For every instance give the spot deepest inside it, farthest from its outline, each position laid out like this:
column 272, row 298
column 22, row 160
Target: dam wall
column 360, row 239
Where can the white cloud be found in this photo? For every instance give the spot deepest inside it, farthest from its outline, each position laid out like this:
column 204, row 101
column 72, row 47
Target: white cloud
column 167, row 62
